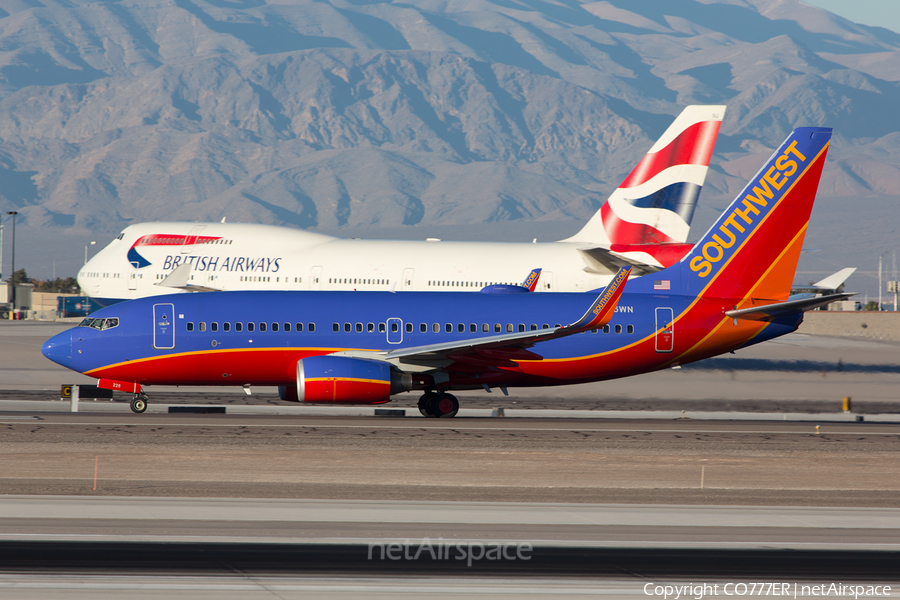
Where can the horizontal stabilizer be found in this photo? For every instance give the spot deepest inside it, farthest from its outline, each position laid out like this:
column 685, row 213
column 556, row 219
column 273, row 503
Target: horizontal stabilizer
column 781, row 309
column 603, row 260
column 179, row 278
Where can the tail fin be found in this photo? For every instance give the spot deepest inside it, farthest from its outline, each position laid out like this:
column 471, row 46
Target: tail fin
column 655, row 203
column 751, row 252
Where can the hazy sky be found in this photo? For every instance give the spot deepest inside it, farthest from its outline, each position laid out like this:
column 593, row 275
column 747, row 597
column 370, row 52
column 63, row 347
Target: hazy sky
column 881, row 13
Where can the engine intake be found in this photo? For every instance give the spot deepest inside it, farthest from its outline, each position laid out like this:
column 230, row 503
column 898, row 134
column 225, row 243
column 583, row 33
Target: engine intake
column 346, row 380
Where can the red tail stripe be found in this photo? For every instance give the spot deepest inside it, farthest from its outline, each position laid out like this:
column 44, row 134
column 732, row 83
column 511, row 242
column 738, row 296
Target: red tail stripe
column 693, row 146
column 624, row 232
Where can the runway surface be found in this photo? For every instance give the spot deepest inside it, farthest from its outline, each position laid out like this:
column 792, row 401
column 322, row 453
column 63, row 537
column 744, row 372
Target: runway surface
column 107, row 504
column 555, row 460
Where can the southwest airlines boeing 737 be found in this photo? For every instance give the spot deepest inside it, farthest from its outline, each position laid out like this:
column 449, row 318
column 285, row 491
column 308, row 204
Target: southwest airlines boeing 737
column 644, row 223
column 730, row 291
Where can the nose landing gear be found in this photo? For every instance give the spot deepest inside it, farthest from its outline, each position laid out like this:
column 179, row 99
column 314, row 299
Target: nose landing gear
column 438, row 404
column 139, row 403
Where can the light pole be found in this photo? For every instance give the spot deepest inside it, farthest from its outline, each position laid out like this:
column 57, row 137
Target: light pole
column 879, row 274
column 85, row 251
column 12, row 279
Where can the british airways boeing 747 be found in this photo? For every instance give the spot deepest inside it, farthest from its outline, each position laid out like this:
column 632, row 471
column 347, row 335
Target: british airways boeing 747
column 644, row 223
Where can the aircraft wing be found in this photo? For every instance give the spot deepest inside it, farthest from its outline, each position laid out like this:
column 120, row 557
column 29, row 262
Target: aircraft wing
column 179, row 278
column 780, row 309
column 599, row 314
column 612, row 261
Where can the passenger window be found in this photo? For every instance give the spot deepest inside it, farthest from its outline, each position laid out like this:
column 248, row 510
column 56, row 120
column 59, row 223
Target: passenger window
column 299, row 327
column 381, row 328
column 250, row 327
column 202, row 326
column 545, row 326
column 534, row 327
column 190, row 326
column 606, row 329
column 226, row 326
column 370, row 327
column 436, row 327
column 262, row 326
column 509, row 328
column 409, row 327
column 359, row 328
column 485, row 328
column 461, row 328
column 618, row 329
column 448, row 327
column 347, row 327
column 473, row 328
column 213, row 326
column 274, row 326
column 395, row 327
column 311, row 327
column 336, row 327
column 423, row 327
column 521, row 327
column 629, row 329
column 287, row 327
column 496, row 327
column 238, row 326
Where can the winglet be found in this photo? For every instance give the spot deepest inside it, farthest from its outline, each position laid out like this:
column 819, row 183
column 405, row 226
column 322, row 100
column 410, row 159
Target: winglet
column 532, row 279
column 601, row 312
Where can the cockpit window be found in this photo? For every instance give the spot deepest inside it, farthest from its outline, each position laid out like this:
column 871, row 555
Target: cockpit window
column 121, row 235
column 100, row 324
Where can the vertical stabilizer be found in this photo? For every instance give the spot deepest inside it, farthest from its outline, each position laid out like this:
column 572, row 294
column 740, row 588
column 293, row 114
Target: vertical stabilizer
column 751, row 252
column 655, row 203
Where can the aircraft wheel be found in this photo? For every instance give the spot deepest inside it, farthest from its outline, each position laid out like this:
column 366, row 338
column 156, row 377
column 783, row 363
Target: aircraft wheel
column 423, row 403
column 445, row 406
column 139, row 404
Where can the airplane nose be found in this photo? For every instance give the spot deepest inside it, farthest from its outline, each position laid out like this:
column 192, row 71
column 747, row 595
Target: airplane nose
column 59, row 348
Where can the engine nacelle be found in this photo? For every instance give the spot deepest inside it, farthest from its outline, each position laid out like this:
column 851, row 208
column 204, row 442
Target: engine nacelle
column 346, row 380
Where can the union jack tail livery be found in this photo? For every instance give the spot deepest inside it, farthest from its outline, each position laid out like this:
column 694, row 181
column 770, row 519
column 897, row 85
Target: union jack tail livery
column 649, row 216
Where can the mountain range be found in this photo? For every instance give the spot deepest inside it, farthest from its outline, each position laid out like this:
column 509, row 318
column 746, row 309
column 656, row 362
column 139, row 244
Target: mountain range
column 409, row 117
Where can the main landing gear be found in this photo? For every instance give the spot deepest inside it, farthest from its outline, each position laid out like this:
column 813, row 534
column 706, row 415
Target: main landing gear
column 139, row 403
column 438, row 404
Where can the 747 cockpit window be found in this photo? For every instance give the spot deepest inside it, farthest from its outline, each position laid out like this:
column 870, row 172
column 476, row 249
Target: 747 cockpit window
column 100, row 324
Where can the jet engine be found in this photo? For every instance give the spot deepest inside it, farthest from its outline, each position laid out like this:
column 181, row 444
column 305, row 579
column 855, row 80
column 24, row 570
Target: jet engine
column 345, row 380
